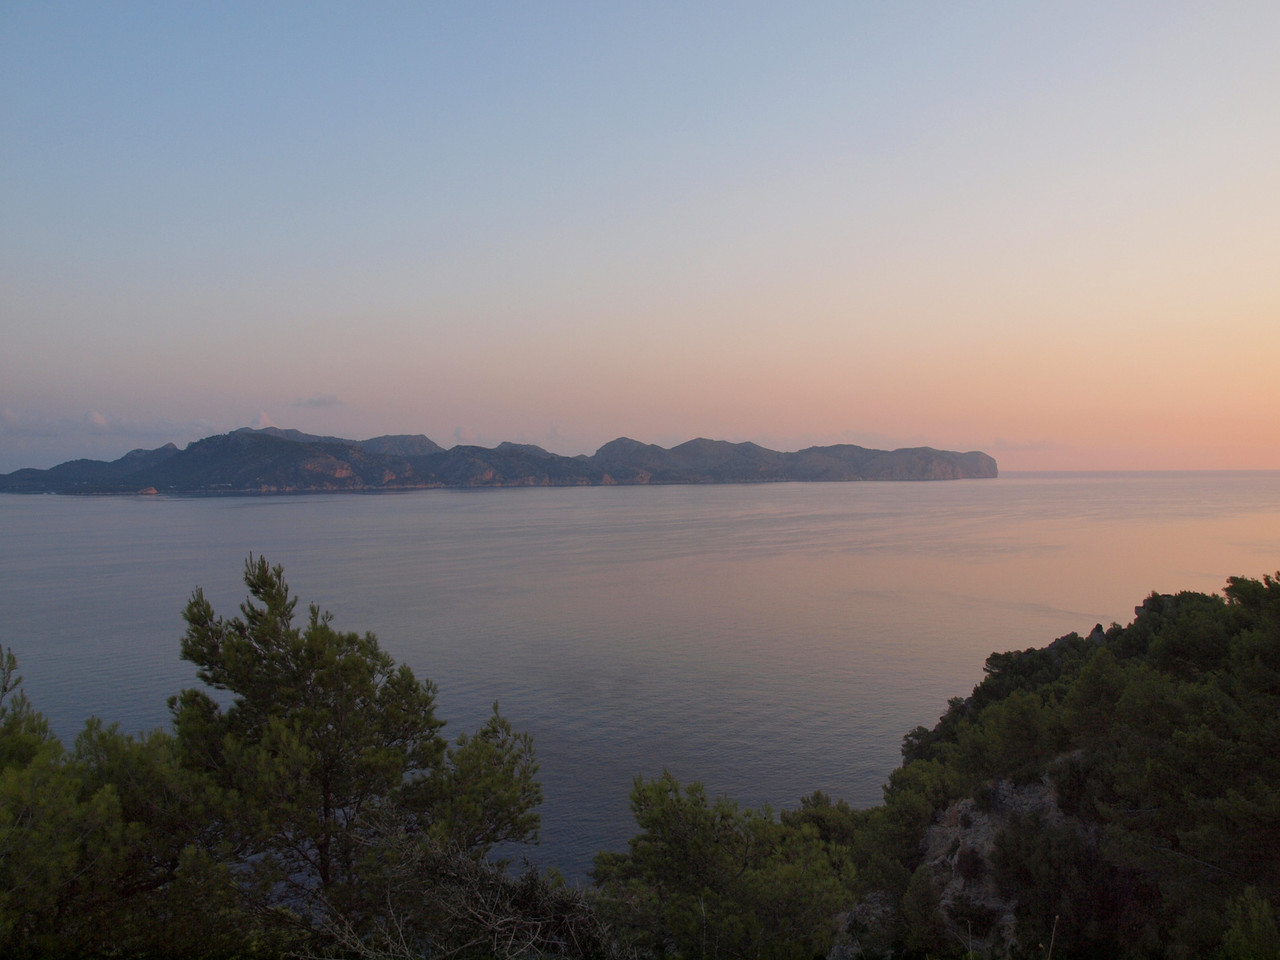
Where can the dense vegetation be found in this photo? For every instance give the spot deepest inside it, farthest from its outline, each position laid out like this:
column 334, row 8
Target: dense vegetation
column 319, row 808
column 1116, row 795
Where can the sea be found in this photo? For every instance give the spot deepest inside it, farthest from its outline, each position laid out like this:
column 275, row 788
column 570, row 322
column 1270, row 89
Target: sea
column 767, row 640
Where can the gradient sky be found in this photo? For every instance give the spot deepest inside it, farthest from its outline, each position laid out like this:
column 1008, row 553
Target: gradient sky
column 1046, row 231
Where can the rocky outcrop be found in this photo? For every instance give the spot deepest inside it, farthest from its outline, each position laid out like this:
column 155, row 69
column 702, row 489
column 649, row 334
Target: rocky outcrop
column 959, row 852
column 959, row 864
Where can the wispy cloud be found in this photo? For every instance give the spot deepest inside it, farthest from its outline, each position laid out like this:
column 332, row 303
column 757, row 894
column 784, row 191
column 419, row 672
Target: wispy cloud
column 319, row 400
column 1004, row 445
column 14, row 423
column 34, row 439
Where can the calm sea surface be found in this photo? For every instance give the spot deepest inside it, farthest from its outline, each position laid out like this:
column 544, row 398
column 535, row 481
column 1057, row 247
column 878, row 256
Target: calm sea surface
column 769, row 640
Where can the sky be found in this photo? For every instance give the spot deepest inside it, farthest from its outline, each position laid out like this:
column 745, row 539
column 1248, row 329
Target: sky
column 1050, row 232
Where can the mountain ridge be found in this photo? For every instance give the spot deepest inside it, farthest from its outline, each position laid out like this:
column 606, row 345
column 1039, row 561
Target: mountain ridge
column 275, row 460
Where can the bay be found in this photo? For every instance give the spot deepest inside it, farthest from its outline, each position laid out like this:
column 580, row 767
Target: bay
column 769, row 640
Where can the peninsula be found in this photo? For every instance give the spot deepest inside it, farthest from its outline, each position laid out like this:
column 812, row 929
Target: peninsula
column 272, row 460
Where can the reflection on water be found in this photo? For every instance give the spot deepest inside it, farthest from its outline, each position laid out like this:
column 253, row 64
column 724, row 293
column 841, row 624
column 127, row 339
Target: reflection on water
column 770, row 640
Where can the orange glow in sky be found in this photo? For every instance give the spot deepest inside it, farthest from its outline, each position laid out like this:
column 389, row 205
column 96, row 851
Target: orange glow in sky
column 1049, row 234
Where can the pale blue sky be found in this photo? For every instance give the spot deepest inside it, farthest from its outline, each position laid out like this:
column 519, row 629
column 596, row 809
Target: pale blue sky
column 1046, row 231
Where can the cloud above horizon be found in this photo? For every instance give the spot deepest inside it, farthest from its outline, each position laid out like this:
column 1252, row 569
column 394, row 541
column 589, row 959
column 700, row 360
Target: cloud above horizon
column 319, row 401
column 44, row 441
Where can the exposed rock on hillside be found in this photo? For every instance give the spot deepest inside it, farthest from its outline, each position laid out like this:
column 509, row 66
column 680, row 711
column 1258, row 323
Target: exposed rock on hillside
column 960, row 874
column 960, row 853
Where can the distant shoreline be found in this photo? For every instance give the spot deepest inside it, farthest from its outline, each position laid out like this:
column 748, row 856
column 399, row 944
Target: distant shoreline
column 272, row 461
